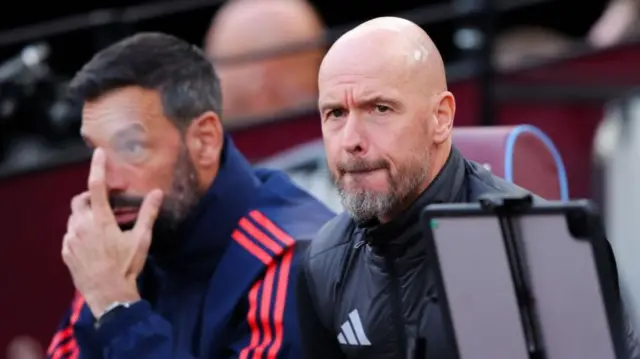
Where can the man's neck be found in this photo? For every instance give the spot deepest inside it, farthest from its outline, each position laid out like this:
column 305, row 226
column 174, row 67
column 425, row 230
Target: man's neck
column 435, row 165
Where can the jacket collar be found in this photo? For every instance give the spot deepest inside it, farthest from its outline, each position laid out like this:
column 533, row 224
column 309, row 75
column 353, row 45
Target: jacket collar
column 205, row 234
column 447, row 186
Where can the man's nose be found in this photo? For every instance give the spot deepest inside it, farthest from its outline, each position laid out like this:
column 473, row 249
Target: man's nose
column 114, row 176
column 353, row 136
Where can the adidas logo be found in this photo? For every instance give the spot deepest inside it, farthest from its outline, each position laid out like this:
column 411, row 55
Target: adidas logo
column 352, row 332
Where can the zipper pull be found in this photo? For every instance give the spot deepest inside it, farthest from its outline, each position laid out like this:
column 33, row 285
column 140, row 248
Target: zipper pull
column 361, row 238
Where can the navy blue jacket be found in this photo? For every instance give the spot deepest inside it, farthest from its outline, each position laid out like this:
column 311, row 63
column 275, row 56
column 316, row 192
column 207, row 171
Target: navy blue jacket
column 226, row 291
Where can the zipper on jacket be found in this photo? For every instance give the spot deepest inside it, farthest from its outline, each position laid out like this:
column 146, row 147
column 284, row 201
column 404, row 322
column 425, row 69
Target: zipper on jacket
column 397, row 306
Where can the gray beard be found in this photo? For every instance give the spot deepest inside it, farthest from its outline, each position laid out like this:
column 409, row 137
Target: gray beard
column 364, row 206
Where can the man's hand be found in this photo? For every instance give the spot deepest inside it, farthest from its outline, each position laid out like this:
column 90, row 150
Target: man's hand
column 103, row 260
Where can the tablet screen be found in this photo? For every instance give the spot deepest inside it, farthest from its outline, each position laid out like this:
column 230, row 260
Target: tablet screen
column 566, row 288
column 477, row 281
column 479, row 288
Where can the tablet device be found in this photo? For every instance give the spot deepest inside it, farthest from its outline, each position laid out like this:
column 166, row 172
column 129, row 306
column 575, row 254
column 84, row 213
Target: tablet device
column 538, row 284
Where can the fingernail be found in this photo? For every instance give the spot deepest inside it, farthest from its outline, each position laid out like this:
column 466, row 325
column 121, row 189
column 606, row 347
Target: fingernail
column 97, row 153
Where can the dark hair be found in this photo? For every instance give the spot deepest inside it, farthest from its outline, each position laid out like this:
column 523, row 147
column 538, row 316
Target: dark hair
column 181, row 72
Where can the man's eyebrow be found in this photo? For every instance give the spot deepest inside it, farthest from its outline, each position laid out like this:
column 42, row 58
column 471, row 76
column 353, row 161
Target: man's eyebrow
column 330, row 105
column 130, row 130
column 362, row 102
column 379, row 99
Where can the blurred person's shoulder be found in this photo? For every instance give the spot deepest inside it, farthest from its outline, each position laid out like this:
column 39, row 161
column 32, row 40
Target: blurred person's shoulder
column 291, row 207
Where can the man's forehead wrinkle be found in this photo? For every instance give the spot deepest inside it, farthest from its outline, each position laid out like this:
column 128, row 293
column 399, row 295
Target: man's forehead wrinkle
column 338, row 94
column 104, row 120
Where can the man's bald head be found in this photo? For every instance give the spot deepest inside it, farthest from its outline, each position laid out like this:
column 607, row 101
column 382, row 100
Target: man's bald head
column 386, row 115
column 401, row 46
column 267, row 86
column 245, row 26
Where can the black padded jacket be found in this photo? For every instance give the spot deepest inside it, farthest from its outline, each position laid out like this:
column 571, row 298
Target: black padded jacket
column 362, row 291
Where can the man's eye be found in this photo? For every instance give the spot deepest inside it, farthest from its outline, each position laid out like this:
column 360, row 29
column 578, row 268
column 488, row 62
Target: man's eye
column 337, row 113
column 132, row 147
column 382, row 108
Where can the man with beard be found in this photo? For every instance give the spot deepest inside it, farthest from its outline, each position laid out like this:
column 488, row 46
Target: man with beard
column 178, row 249
column 365, row 289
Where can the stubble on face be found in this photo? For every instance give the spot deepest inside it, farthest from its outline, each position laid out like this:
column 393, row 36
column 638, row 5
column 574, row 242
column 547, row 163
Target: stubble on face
column 178, row 203
column 403, row 182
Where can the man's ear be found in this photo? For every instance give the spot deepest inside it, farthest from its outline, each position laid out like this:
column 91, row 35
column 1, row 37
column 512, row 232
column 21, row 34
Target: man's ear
column 204, row 139
column 444, row 112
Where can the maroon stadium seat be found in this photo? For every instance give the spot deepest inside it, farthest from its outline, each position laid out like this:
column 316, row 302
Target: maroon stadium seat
column 522, row 154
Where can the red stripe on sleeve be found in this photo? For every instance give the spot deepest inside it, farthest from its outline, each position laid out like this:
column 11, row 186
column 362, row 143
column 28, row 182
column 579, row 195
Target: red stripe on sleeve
column 58, row 338
column 276, row 277
column 281, row 301
column 272, row 228
column 261, row 237
column 265, row 310
column 55, row 350
column 251, row 319
column 74, row 354
column 251, row 247
column 60, row 352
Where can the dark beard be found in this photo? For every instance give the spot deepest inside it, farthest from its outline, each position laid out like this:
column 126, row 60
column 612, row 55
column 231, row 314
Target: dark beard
column 177, row 205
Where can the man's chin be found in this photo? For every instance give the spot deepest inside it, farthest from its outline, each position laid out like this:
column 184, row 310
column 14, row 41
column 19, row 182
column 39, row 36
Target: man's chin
column 363, row 192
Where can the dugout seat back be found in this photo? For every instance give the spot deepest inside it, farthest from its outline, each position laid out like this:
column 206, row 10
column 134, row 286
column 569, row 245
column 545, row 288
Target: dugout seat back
column 520, row 154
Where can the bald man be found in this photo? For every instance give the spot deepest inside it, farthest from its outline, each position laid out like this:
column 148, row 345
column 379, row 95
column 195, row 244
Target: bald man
column 365, row 289
column 267, row 87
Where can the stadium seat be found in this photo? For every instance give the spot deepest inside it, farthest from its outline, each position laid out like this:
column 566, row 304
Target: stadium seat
column 521, row 154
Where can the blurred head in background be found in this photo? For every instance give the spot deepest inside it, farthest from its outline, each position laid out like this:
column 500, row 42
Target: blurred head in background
column 523, row 45
column 619, row 21
column 274, row 84
column 24, row 347
column 152, row 102
column 386, row 116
